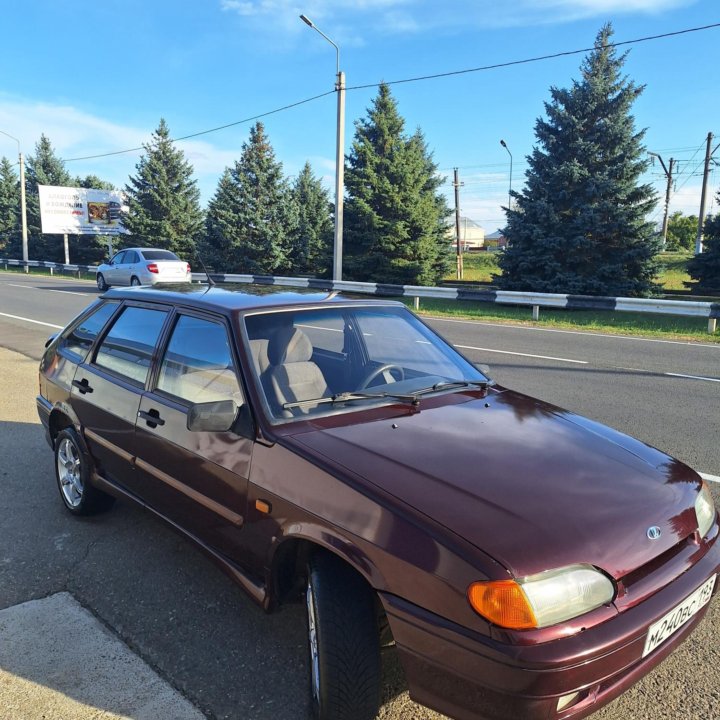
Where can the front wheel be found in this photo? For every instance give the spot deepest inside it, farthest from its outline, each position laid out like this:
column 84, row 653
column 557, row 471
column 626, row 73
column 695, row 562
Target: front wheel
column 344, row 641
column 72, row 472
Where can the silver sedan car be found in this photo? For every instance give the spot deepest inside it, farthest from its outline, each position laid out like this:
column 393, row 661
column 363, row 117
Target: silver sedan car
column 142, row 266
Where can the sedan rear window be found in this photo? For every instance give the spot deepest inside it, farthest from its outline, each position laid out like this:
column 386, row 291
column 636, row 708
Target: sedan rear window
column 128, row 347
column 159, row 255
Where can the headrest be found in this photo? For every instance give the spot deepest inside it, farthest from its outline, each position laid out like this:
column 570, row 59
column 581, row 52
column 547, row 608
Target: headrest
column 289, row 345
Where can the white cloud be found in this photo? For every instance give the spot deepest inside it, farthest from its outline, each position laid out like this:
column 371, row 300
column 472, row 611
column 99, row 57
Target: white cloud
column 347, row 20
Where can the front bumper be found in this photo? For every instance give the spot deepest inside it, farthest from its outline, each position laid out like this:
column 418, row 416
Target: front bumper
column 473, row 677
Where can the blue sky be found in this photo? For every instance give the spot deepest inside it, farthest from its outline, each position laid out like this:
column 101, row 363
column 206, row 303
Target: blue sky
column 96, row 77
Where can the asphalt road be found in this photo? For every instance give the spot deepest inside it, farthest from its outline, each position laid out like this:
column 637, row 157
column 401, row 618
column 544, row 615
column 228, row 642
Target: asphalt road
column 198, row 630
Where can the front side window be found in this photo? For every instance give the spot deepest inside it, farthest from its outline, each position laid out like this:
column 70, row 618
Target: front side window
column 306, row 361
column 82, row 336
column 198, row 365
column 128, row 347
column 118, row 258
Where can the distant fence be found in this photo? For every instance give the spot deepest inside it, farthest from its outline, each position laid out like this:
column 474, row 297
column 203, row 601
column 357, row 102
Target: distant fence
column 687, row 308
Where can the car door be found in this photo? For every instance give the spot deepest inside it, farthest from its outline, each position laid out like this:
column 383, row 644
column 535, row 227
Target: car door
column 197, row 479
column 130, row 267
column 107, row 388
column 112, row 273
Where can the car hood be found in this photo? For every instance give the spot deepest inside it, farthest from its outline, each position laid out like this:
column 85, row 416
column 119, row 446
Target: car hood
column 532, row 485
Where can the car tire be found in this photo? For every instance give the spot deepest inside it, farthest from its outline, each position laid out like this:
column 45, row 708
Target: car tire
column 101, row 284
column 134, row 281
column 73, row 469
column 343, row 640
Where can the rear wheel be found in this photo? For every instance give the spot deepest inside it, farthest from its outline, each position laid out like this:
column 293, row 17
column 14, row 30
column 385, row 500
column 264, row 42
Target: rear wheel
column 72, row 472
column 134, row 281
column 102, row 285
column 343, row 641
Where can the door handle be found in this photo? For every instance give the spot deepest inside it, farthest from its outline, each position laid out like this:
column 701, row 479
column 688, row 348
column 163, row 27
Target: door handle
column 83, row 386
column 152, row 418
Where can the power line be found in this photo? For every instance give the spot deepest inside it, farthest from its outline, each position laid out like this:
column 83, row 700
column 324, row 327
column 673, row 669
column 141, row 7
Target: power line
column 408, row 80
column 511, row 63
column 211, row 130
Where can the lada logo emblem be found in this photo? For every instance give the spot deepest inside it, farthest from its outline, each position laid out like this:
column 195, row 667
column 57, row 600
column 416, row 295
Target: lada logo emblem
column 654, row 532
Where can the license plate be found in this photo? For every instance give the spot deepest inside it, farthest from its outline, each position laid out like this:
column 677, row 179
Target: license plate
column 660, row 631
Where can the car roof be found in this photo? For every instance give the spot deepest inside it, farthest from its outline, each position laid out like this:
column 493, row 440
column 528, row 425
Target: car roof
column 231, row 297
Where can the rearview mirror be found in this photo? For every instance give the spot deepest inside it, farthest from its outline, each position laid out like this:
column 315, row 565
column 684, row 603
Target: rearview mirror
column 212, row 416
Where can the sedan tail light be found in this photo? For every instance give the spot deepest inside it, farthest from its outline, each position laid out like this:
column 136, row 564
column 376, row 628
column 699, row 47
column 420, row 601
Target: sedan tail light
column 153, row 268
column 188, row 268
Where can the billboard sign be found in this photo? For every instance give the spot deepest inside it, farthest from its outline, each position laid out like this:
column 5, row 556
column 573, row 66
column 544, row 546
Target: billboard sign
column 81, row 211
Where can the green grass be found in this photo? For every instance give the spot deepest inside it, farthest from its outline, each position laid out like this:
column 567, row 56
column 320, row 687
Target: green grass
column 45, row 272
column 481, row 267
column 670, row 327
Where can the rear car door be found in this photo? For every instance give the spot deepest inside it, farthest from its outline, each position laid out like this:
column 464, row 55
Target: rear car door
column 107, row 388
column 197, row 479
column 130, row 267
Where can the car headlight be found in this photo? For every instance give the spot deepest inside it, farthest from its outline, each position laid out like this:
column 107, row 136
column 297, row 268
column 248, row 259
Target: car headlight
column 544, row 599
column 705, row 510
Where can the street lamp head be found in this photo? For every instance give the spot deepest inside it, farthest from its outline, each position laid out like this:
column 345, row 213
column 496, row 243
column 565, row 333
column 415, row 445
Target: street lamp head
column 502, row 142
column 307, row 20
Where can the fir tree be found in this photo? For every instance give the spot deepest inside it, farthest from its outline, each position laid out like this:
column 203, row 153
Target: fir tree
column 311, row 243
column 10, row 231
column 252, row 214
column 43, row 168
column 705, row 267
column 580, row 225
column 395, row 220
column 163, row 199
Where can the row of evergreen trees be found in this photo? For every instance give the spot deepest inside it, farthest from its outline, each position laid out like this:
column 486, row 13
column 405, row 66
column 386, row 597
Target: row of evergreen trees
column 260, row 222
column 580, row 225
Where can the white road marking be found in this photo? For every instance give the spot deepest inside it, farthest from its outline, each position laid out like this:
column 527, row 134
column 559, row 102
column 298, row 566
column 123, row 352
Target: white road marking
column 36, row 322
column 32, row 287
column 711, row 478
column 586, row 333
column 692, row 377
column 507, row 352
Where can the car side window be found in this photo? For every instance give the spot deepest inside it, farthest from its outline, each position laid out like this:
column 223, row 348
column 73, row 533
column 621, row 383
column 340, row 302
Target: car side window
column 118, row 258
column 198, row 365
column 130, row 258
column 81, row 337
column 128, row 347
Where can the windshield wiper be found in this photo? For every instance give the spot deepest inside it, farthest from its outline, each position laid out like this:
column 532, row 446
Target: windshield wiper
column 450, row 384
column 350, row 396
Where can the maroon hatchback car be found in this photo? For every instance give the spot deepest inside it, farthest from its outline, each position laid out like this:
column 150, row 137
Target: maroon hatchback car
column 526, row 562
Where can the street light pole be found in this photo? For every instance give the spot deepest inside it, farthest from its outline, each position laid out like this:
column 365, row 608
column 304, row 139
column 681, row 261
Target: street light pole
column 503, row 143
column 339, row 155
column 23, row 207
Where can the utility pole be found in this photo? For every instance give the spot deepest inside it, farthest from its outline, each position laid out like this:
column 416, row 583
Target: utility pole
column 456, row 185
column 706, row 172
column 23, row 208
column 669, row 176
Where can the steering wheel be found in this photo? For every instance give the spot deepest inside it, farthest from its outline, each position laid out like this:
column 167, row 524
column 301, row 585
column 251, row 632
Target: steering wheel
column 376, row 372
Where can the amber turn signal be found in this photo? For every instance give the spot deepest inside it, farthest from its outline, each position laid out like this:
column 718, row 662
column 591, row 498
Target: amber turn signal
column 503, row 603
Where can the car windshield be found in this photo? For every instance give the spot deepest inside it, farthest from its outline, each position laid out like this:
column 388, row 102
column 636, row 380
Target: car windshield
column 159, row 255
column 313, row 362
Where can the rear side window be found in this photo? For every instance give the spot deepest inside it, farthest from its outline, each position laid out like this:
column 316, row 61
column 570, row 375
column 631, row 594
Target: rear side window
column 198, row 365
column 83, row 335
column 128, row 347
column 159, row 255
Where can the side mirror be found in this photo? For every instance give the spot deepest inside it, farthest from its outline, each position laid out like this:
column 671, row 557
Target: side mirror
column 217, row 416
column 50, row 339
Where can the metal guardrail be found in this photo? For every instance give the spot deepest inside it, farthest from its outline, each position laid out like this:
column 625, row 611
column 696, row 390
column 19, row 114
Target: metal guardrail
column 687, row 308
